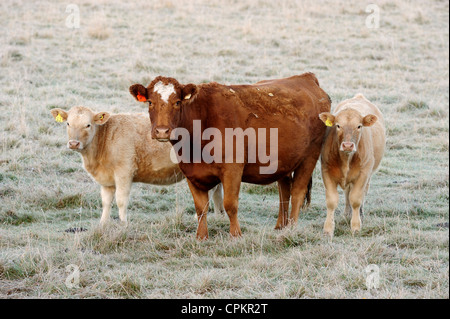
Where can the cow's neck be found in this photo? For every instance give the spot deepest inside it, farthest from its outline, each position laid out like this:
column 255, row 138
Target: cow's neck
column 346, row 159
column 195, row 111
column 92, row 151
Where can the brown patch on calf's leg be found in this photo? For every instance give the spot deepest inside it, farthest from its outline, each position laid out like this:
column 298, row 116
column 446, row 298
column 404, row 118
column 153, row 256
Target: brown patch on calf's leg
column 284, row 192
column 231, row 185
column 201, row 202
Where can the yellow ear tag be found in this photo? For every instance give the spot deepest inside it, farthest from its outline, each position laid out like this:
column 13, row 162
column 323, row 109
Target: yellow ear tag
column 187, row 97
column 59, row 118
column 101, row 117
column 328, row 123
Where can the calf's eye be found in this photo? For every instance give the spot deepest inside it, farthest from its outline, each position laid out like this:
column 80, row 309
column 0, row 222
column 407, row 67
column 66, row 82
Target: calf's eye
column 88, row 126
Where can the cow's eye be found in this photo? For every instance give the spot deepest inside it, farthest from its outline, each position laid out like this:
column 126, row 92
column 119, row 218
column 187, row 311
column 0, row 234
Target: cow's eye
column 359, row 127
column 338, row 126
column 68, row 124
column 88, row 126
column 178, row 104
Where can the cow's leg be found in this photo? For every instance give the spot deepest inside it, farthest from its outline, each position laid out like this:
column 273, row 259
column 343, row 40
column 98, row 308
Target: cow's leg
column 217, row 197
column 201, row 202
column 332, row 200
column 348, row 207
column 107, row 193
column 302, row 176
column 284, row 192
column 356, row 198
column 231, row 181
column 123, row 189
column 361, row 209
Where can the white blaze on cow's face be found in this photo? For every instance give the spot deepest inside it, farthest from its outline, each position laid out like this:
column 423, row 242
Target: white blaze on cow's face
column 165, row 97
column 165, row 105
column 164, row 90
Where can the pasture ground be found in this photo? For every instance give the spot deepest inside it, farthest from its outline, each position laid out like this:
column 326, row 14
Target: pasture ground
column 402, row 66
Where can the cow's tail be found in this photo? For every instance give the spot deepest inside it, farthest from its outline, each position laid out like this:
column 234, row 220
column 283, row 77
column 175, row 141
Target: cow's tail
column 307, row 200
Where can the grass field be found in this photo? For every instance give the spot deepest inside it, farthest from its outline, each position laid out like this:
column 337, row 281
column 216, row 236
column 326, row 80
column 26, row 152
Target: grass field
column 402, row 66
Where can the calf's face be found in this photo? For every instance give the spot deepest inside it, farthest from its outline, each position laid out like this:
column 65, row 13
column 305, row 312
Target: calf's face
column 166, row 98
column 348, row 125
column 82, row 125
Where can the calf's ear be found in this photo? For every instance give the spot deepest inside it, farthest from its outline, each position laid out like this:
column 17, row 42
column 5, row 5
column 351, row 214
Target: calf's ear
column 101, row 118
column 139, row 92
column 188, row 92
column 327, row 118
column 59, row 115
column 369, row 120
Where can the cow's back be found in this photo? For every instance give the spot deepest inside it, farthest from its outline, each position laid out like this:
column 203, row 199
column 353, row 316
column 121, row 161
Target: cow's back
column 291, row 105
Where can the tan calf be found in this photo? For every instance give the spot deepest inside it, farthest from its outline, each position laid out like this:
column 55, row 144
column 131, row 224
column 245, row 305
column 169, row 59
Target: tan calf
column 117, row 150
column 352, row 151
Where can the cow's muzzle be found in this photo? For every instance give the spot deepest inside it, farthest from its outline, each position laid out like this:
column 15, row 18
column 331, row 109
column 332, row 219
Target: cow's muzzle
column 74, row 145
column 162, row 134
column 348, row 147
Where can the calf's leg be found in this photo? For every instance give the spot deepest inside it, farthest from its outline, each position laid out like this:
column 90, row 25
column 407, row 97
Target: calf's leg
column 348, row 207
column 332, row 199
column 217, row 196
column 201, row 202
column 356, row 198
column 123, row 189
column 107, row 193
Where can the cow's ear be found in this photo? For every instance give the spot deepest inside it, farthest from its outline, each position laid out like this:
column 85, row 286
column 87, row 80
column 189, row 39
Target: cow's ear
column 101, row 118
column 369, row 120
column 188, row 92
column 327, row 118
column 139, row 92
column 59, row 115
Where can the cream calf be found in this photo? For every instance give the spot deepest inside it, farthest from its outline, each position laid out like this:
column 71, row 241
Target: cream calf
column 117, row 150
column 352, row 151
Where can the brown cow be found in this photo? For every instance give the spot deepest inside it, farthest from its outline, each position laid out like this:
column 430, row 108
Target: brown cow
column 117, row 150
column 288, row 108
column 352, row 151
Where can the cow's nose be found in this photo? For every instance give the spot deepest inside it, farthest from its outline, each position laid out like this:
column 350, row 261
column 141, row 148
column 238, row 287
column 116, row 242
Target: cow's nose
column 348, row 146
column 73, row 144
column 162, row 133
